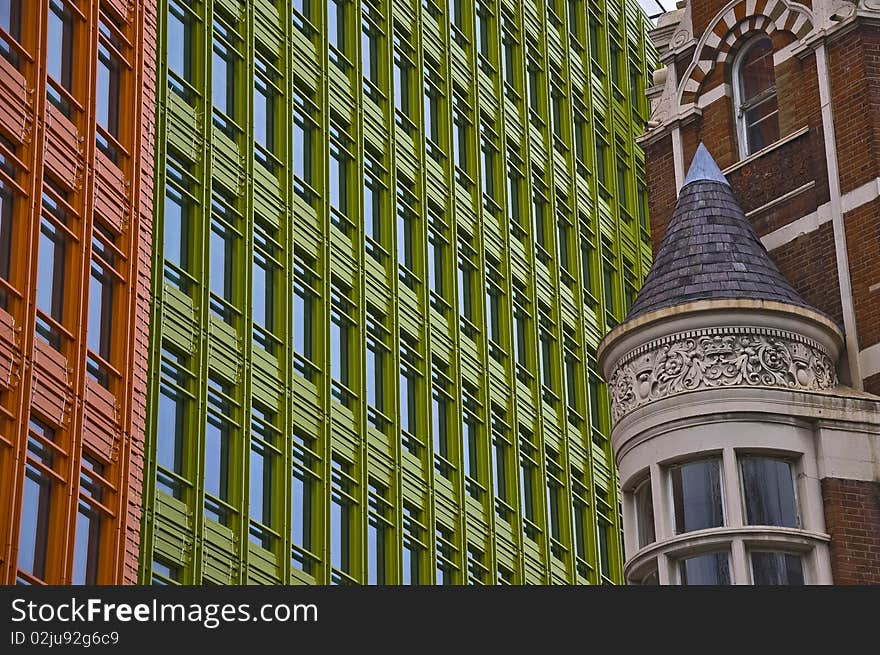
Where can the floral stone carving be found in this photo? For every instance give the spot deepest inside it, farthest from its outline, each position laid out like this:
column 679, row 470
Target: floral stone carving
column 718, row 357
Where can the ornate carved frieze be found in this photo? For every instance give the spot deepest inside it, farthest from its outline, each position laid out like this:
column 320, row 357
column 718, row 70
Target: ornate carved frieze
column 718, row 357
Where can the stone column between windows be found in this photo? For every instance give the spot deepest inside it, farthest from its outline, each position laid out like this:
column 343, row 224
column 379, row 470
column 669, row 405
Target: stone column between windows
column 733, row 509
column 819, row 566
column 739, row 568
column 660, row 500
column 665, row 571
column 630, row 525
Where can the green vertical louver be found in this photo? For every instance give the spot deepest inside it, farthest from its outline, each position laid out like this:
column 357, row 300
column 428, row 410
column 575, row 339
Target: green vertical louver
column 389, row 237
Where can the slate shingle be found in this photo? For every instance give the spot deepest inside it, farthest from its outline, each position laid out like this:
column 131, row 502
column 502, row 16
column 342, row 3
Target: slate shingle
column 710, row 250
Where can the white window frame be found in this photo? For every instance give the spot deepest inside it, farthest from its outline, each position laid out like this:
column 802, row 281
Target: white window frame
column 670, row 492
column 802, row 555
column 739, row 101
column 793, row 463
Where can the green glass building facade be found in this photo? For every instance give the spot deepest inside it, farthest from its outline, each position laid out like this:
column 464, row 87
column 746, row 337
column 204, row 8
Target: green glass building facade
column 389, row 237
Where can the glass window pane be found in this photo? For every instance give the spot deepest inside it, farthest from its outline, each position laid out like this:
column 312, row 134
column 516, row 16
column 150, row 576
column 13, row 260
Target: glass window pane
column 705, row 569
column 644, row 503
column 59, row 57
column 100, row 308
column 169, row 447
column 107, row 100
column 777, row 569
column 223, row 80
column 179, row 35
column 696, row 494
column 34, row 532
column 768, row 487
column 86, row 542
column 50, row 270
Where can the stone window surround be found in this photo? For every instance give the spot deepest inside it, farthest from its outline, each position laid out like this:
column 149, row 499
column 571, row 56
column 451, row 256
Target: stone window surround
column 664, row 553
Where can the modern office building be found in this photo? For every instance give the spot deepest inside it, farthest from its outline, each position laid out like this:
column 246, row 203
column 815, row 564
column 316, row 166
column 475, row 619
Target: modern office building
column 745, row 378
column 389, row 237
column 76, row 220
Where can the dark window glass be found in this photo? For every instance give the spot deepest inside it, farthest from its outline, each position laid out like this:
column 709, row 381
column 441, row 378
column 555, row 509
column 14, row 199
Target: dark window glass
column 604, row 534
column 164, row 572
column 176, row 235
column 372, row 209
column 6, row 206
column 644, row 503
column 263, row 298
column 440, row 427
column 465, row 288
column 179, row 41
column 339, row 343
column 436, row 249
column 86, row 544
column 10, row 20
column 303, row 131
column 338, row 179
column 758, row 111
column 301, row 501
column 777, row 569
column 696, row 495
column 370, row 52
column 402, row 75
column 341, row 519
column 378, row 535
column 336, row 33
column 171, row 424
column 223, row 86
column 107, row 100
column 768, row 487
column 87, row 540
column 527, row 482
column 470, row 439
column 303, row 319
column 706, row 569
column 413, row 547
column 260, row 493
column 100, row 314
column 59, row 56
column 221, row 274
column 50, row 279
column 218, row 432
column 499, row 454
column 432, row 115
column 408, row 418
column 554, row 493
column 33, row 538
column 264, row 112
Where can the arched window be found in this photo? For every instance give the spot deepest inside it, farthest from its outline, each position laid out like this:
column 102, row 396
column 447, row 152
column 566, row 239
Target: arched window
column 754, row 86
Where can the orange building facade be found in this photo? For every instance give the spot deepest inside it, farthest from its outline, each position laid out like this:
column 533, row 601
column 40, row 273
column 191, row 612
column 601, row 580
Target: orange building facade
column 77, row 101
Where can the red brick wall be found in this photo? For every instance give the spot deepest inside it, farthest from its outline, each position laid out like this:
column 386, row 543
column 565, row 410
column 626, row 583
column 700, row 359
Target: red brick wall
column 863, row 246
column 855, row 73
column 852, row 518
column 872, row 384
column 660, row 175
column 809, row 264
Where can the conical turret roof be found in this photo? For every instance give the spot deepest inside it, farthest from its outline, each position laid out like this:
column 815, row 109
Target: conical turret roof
column 710, row 250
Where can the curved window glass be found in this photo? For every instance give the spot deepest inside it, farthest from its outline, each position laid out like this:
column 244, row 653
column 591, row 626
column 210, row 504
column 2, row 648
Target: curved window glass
column 696, row 495
column 768, row 491
column 777, row 568
column 644, row 503
column 705, row 569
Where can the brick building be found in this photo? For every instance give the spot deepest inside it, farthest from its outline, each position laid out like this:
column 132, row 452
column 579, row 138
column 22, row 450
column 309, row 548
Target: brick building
column 784, row 95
